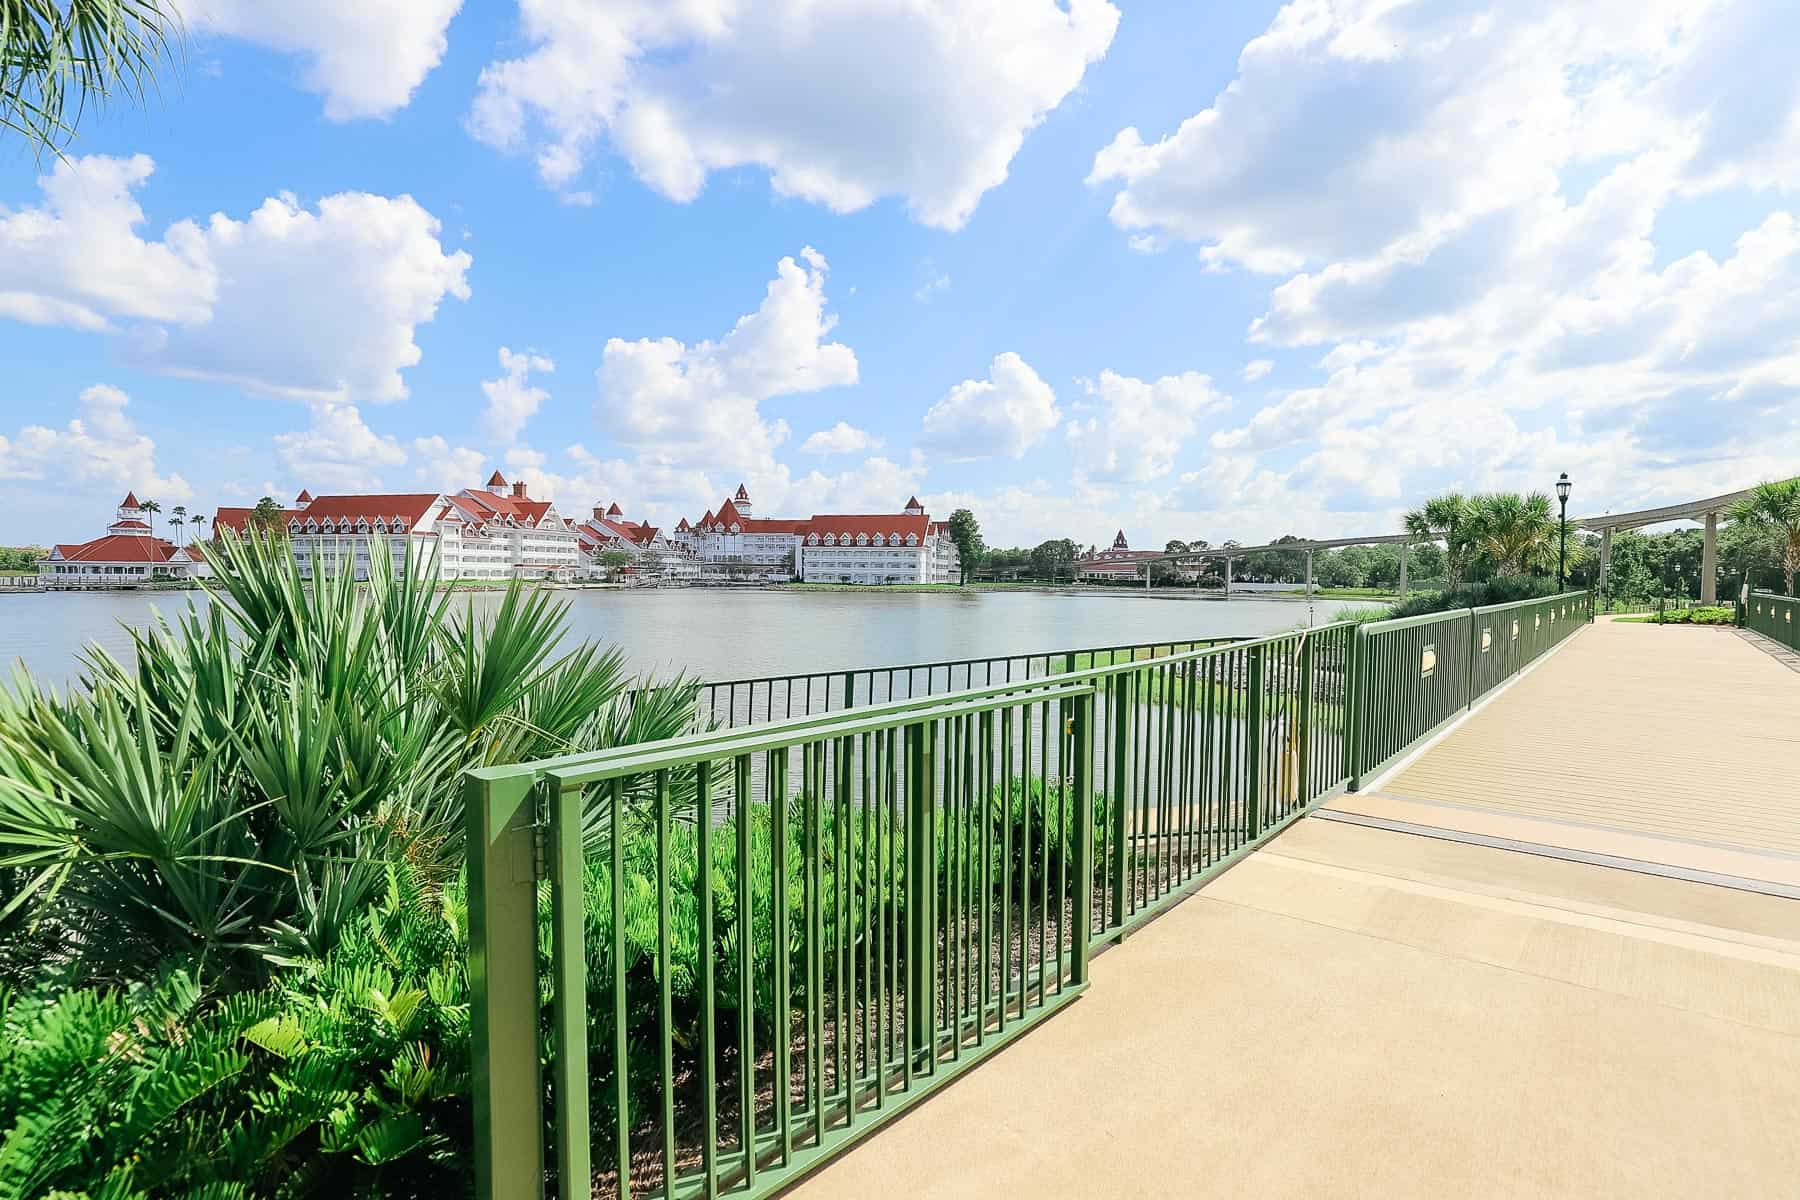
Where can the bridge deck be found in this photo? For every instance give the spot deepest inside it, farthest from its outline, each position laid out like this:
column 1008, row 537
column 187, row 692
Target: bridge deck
column 1367, row 1011
column 1658, row 744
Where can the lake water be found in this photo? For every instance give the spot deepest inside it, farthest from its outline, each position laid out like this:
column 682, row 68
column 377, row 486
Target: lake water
column 718, row 634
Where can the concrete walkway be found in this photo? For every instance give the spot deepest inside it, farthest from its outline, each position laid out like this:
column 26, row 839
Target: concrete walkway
column 1366, row 1011
column 1658, row 744
column 1358, row 1012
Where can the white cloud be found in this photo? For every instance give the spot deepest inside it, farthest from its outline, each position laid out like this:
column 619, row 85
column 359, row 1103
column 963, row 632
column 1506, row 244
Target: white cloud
column 937, row 282
column 1141, row 424
column 1491, row 283
column 1001, row 416
column 842, row 438
column 337, row 452
column 691, row 414
column 317, row 304
column 366, row 57
column 842, row 103
column 445, row 468
column 101, row 445
column 1257, row 368
column 511, row 399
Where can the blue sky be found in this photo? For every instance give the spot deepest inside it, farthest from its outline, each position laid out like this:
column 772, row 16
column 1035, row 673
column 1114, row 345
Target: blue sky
column 1193, row 270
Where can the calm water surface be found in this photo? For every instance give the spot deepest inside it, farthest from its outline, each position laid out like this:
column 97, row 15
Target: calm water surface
column 716, row 634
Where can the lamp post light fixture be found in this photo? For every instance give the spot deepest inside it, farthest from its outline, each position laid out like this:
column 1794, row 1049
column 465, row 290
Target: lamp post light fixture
column 1562, row 546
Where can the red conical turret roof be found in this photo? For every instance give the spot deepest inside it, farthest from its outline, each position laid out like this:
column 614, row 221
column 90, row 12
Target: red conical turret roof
column 741, row 493
column 305, row 497
column 496, row 480
column 130, row 501
column 615, row 510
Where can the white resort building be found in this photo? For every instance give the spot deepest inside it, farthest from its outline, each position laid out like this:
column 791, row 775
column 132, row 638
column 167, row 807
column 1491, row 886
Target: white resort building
column 873, row 548
column 647, row 552
column 493, row 532
column 128, row 554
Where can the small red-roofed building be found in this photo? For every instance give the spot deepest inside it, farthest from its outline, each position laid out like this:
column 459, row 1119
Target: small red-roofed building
column 879, row 548
column 1119, row 562
column 126, row 556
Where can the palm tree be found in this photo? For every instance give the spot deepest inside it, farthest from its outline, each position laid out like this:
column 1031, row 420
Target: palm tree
column 1445, row 518
column 57, row 59
column 149, row 506
column 198, row 519
column 1514, row 532
column 178, row 518
column 1775, row 505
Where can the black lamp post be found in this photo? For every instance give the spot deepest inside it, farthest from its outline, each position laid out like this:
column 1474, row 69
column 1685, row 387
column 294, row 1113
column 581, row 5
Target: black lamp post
column 1562, row 545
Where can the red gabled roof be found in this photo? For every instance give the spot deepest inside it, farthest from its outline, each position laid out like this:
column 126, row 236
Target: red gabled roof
column 913, row 502
column 615, row 510
column 871, row 524
column 741, row 493
column 684, row 527
column 130, row 501
column 120, row 548
column 729, row 516
column 410, row 507
column 305, row 497
column 496, row 480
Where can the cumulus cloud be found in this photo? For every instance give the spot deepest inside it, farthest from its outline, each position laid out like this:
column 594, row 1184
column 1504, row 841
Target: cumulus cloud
column 1257, row 368
column 511, row 399
column 690, row 416
column 101, row 445
column 1491, row 285
column 366, row 57
column 445, row 468
column 842, row 104
column 337, row 451
column 842, row 438
column 1001, row 416
column 1140, row 425
column 316, row 303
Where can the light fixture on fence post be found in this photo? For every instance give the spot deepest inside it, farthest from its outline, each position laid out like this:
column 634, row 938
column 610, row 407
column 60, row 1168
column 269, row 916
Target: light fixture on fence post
column 1563, row 487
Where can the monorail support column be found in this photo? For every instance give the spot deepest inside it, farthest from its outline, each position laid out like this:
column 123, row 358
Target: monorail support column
column 1605, row 564
column 1404, row 547
column 1228, row 576
column 1709, row 561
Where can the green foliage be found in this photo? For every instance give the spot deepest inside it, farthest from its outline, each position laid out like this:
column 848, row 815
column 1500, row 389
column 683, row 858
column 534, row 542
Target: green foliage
column 56, row 59
column 349, row 1076
column 965, row 531
column 267, row 517
column 1708, row 615
column 1775, row 506
column 229, row 801
column 16, row 559
column 1501, row 590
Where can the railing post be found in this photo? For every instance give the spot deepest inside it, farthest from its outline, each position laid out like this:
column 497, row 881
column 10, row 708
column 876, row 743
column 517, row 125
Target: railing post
column 508, row 1094
column 1354, row 699
column 1119, row 722
column 1253, row 767
column 1304, row 719
column 568, row 970
column 921, row 888
column 1082, row 727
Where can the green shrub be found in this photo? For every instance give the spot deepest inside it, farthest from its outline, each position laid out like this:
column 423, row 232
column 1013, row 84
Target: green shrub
column 1709, row 615
column 1504, row 589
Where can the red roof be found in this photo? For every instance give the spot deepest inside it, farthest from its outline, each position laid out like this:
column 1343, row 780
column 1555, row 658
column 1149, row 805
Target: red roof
column 130, row 501
column 870, row 524
column 517, row 507
column 119, row 548
column 913, row 502
column 741, row 493
column 615, row 510
column 684, row 527
column 305, row 497
column 128, row 524
column 496, row 480
column 410, row 507
column 729, row 516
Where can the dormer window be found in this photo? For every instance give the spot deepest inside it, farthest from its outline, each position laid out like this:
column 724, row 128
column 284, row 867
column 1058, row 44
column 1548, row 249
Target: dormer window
column 893, row 539
column 862, row 539
column 912, row 539
column 812, row 539
column 294, row 524
column 736, row 528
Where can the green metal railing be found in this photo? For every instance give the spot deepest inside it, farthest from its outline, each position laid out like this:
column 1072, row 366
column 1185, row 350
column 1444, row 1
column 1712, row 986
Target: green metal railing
column 1417, row 673
column 752, row 701
column 740, row 950
column 1776, row 617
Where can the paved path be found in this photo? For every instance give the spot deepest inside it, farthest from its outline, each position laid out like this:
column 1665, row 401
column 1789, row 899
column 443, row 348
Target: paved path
column 1658, row 744
column 1358, row 1011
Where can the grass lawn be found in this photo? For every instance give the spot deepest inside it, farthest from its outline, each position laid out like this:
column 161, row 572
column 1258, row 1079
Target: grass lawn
column 1345, row 593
